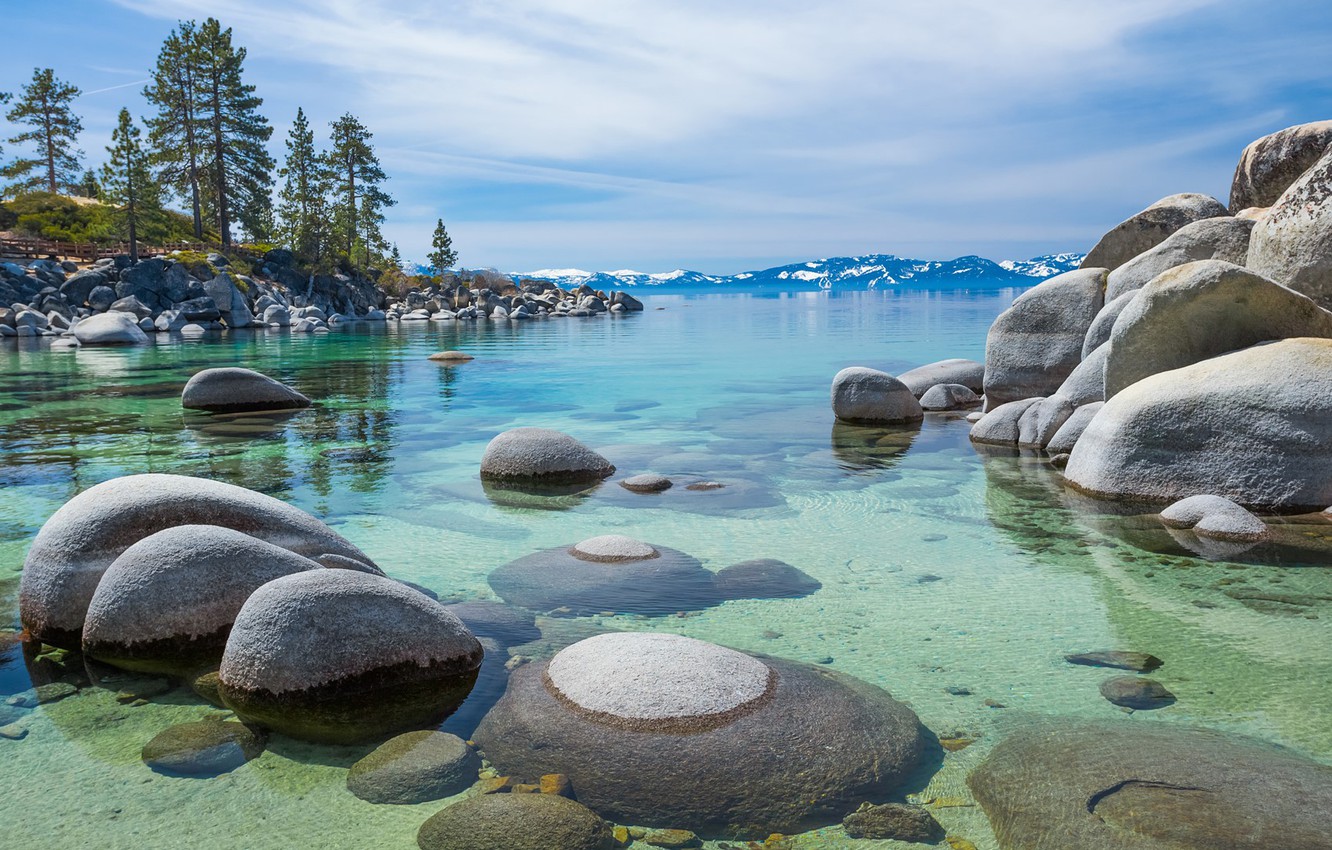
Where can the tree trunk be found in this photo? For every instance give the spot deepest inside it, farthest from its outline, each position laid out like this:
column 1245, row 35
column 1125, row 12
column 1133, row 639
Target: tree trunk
column 50, row 147
column 219, row 165
column 133, row 213
column 192, row 148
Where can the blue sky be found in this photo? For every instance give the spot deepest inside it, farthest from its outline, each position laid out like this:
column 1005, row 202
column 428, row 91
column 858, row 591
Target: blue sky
column 655, row 134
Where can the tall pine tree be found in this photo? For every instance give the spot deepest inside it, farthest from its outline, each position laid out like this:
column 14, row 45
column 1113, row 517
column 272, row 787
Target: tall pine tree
column 235, row 135
column 358, row 202
column 45, row 108
column 302, row 200
column 175, row 132
column 127, row 181
column 443, row 256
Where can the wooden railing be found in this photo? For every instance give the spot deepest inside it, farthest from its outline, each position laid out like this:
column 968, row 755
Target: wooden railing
column 35, row 249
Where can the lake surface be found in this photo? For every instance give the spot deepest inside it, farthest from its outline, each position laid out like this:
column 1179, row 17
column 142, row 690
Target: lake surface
column 956, row 579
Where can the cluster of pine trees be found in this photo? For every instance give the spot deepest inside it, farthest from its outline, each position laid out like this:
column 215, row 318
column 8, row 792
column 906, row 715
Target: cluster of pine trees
column 206, row 145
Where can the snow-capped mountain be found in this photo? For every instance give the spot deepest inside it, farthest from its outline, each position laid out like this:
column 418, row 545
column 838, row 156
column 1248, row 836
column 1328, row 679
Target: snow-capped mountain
column 868, row 272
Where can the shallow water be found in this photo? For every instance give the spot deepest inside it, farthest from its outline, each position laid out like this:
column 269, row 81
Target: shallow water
column 954, row 578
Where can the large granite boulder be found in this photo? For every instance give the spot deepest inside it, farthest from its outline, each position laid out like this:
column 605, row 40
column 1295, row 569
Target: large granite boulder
column 1099, row 332
column 1001, row 426
column 415, row 767
column 515, row 822
column 1037, row 342
column 231, row 389
column 607, row 573
column 1149, row 228
column 968, row 373
column 1271, row 164
column 1254, row 426
column 76, row 545
column 867, row 396
column 1150, row 786
column 1224, row 239
column 112, row 328
column 538, row 455
column 1292, row 244
column 1200, row 310
column 166, row 605
column 664, row 730
column 339, row 656
column 78, row 286
column 1067, row 436
column 1086, row 383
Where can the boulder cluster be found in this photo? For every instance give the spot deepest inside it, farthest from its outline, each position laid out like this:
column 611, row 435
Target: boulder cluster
column 508, row 301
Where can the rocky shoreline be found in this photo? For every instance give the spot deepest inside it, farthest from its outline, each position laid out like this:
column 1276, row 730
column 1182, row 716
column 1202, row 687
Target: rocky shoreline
column 119, row 302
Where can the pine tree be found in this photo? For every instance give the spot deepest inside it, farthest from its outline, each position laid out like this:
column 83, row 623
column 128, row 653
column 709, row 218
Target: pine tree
column 175, row 132
column 127, row 181
column 443, row 256
column 358, row 202
column 303, row 205
column 395, row 258
column 240, row 169
column 54, row 134
column 88, row 186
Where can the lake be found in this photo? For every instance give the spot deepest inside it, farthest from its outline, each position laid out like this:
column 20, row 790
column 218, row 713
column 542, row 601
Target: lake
column 956, row 579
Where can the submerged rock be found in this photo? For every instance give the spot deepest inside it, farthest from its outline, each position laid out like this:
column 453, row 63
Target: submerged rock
column 765, row 578
column 1149, row 228
column 79, row 541
column 451, row 356
column 396, row 660
column 868, row 396
column 1213, row 516
column 1137, row 693
column 1150, row 786
column 205, row 748
column 497, row 621
column 1138, row 662
column 896, row 821
column 515, row 822
column 538, row 455
column 663, row 730
column 166, row 605
column 413, row 768
column 232, row 390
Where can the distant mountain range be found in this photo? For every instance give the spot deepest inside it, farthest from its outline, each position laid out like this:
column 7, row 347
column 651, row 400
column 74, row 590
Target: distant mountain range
column 872, row 271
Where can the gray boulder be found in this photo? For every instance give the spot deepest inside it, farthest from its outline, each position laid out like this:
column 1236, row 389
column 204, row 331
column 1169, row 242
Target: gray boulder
column 1271, row 164
column 968, row 373
column 664, row 730
column 868, row 396
column 1214, row 516
column 1200, row 310
column 340, row 656
column 415, row 767
column 1149, row 228
column 110, row 329
column 1039, row 422
column 276, row 314
column 1037, row 342
column 948, row 397
column 166, row 605
column 201, row 749
column 1001, row 426
column 1253, row 426
column 1086, row 383
column 1292, row 244
column 1067, row 436
column 515, row 822
column 1099, row 332
column 100, row 298
column 76, row 545
column 202, row 309
column 541, row 455
column 764, row 578
column 1210, row 239
column 1150, row 786
column 80, row 285
column 231, row 389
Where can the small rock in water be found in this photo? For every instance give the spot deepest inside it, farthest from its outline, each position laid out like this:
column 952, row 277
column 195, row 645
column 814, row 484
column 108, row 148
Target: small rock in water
column 556, row 783
column 928, row 578
column 647, row 483
column 957, row 691
column 898, row 821
column 14, row 731
column 705, row 485
column 1138, row 662
column 1136, row 693
column 205, row 748
column 52, row 692
column 413, row 768
column 671, row 838
column 1060, row 460
column 208, row 687
column 452, row 357
column 956, row 743
column 934, row 538
column 142, row 689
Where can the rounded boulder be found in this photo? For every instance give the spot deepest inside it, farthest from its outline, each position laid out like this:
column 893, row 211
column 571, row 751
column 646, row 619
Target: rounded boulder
column 867, row 396
column 339, row 656
column 205, row 748
column 764, row 578
column 113, row 328
column 539, row 455
column 1271, row 164
column 664, row 730
column 1149, row 228
column 234, row 390
column 515, row 822
column 415, row 767
column 166, row 605
column 948, row 397
column 80, row 540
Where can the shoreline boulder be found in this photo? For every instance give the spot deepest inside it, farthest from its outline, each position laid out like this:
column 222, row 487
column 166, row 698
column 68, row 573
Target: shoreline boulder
column 1268, row 166
column 956, row 370
column 1225, row 239
column 867, row 396
column 111, row 328
column 235, row 390
column 80, row 540
column 336, row 656
column 1292, row 244
column 1214, row 516
column 1145, row 230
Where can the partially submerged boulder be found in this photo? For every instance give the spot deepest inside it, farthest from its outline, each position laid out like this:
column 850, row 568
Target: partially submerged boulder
column 867, row 396
column 204, row 748
column 1199, row 310
column 339, row 656
column 539, row 455
column 1225, row 239
column 1145, row 230
column 1292, row 244
column 1067, row 436
column 1150, row 786
column 232, row 390
column 415, row 767
column 495, row 620
column 1002, row 425
column 112, row 328
column 166, row 605
column 1269, row 166
column 1254, row 426
column 1036, row 343
column 515, row 822
column 948, row 397
column 79, row 541
column 968, row 373
column 764, row 578
column 664, row 730
column 1214, row 516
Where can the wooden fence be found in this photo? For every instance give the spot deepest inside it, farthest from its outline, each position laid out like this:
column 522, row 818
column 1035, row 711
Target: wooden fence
column 35, row 249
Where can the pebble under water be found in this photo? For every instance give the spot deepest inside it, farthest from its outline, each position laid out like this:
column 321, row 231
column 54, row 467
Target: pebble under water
column 954, row 577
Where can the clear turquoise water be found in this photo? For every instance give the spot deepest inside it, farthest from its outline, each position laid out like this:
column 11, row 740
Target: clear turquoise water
column 942, row 567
